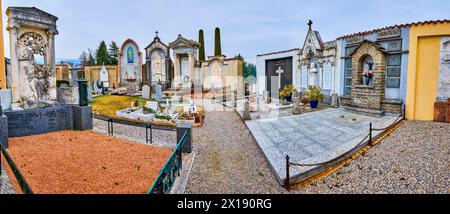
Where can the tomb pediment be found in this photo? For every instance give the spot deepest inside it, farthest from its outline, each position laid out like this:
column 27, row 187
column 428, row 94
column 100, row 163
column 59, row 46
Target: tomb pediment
column 30, row 16
column 182, row 42
column 366, row 43
column 313, row 43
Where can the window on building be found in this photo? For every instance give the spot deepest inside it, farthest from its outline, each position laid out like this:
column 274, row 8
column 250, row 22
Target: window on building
column 393, row 71
column 348, row 77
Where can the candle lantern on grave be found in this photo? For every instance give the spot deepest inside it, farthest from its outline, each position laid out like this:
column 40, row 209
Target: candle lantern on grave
column 83, row 91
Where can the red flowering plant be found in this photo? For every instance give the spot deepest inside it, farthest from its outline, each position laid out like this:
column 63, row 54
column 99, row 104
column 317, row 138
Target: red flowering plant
column 367, row 73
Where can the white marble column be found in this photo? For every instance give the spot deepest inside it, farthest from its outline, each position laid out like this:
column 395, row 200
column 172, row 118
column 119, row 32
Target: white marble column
column 333, row 78
column 14, row 75
column 176, row 67
column 191, row 66
column 51, row 62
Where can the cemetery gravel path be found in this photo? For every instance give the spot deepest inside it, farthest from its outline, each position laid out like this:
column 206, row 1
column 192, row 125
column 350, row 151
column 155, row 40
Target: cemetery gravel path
column 228, row 160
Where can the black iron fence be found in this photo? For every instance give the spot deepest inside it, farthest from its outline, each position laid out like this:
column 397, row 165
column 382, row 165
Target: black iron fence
column 367, row 140
column 26, row 189
column 149, row 127
column 166, row 178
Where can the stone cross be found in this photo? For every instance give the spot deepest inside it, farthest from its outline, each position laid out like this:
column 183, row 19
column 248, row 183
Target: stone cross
column 279, row 72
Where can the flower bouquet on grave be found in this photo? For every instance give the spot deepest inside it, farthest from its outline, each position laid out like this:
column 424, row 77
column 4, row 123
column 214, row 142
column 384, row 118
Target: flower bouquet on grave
column 286, row 93
column 134, row 105
column 314, row 94
column 367, row 74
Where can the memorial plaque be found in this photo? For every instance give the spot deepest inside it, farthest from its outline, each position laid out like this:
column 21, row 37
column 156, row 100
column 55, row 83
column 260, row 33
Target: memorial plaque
column 327, row 74
column 390, row 33
column 39, row 121
column 304, row 76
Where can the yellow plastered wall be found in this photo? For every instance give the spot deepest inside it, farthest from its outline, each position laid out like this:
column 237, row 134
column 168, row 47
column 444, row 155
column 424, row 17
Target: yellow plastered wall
column 2, row 53
column 423, row 69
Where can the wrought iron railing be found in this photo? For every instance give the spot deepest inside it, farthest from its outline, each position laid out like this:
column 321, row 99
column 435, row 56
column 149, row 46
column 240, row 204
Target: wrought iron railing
column 166, row 178
column 147, row 125
column 26, row 189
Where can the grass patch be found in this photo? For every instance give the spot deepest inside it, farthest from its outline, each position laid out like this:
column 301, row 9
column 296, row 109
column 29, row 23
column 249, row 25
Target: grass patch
column 110, row 104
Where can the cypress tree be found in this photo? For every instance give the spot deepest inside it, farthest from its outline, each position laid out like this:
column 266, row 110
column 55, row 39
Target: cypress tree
column 102, row 56
column 217, row 45
column 201, row 39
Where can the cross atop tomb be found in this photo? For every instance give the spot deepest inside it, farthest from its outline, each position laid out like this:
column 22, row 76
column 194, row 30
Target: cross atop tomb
column 157, row 33
column 279, row 72
column 310, row 24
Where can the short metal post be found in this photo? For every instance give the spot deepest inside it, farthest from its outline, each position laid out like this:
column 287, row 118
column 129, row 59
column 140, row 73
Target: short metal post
column 109, row 127
column 151, row 134
column 146, row 133
column 287, row 185
column 404, row 112
column 370, row 135
column 112, row 127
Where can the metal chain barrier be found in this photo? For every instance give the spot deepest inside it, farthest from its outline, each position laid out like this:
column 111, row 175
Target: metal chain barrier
column 400, row 118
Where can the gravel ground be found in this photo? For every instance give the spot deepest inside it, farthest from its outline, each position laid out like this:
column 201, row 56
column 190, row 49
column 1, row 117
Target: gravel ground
column 86, row 163
column 5, row 184
column 160, row 137
column 228, row 160
column 413, row 159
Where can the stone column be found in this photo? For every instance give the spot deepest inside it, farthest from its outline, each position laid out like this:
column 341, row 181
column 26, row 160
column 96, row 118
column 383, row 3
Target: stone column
column 191, row 66
column 149, row 72
column 181, row 129
column 167, row 71
column 176, row 68
column 51, row 62
column 13, row 34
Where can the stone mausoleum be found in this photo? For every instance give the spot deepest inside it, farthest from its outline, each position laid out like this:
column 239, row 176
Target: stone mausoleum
column 130, row 64
column 365, row 72
column 32, row 37
column 35, row 104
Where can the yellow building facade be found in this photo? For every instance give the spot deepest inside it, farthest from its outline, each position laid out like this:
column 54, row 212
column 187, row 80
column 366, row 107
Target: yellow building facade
column 2, row 54
column 423, row 68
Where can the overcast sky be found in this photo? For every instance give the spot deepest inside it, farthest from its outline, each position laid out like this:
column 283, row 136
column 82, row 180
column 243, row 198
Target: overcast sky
column 248, row 27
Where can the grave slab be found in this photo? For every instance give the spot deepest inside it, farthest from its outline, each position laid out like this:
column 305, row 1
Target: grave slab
column 311, row 138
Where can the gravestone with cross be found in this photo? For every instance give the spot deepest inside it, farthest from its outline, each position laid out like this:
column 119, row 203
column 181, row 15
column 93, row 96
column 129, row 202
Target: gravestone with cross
column 278, row 75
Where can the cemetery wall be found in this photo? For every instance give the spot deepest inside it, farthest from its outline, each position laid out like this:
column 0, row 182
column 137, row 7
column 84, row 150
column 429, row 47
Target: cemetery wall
column 423, row 68
column 92, row 73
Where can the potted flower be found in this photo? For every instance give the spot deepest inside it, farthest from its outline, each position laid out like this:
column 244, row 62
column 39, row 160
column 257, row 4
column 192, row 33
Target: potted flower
column 286, row 93
column 304, row 100
column 314, row 94
column 368, row 74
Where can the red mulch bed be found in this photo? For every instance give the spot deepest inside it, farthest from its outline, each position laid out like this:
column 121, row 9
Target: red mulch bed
column 72, row 162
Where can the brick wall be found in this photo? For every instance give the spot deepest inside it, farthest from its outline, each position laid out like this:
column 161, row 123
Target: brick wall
column 442, row 111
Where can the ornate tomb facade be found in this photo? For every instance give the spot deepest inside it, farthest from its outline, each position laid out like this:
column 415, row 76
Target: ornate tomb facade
column 373, row 69
column 318, row 64
column 158, row 63
column 184, row 53
column 130, row 64
column 32, row 45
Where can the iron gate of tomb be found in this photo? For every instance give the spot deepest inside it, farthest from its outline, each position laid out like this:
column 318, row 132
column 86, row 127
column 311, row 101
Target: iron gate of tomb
column 149, row 127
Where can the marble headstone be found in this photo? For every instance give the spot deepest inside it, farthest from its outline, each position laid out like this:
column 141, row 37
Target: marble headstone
column 158, row 91
column 131, row 91
column 90, row 97
column 104, row 76
column 146, row 92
